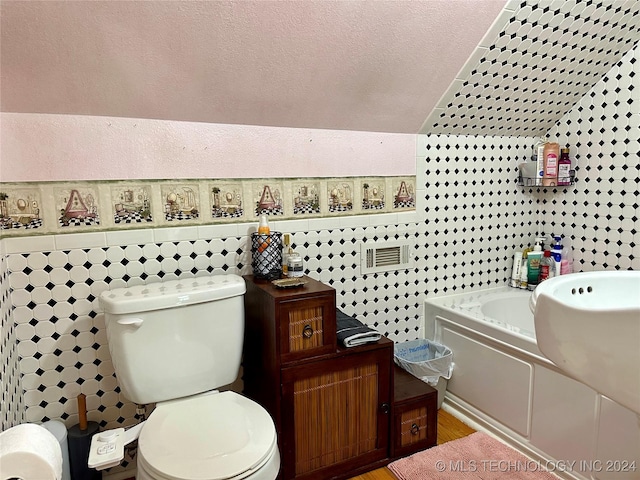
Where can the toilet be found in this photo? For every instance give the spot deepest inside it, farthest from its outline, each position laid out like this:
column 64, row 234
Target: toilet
column 174, row 344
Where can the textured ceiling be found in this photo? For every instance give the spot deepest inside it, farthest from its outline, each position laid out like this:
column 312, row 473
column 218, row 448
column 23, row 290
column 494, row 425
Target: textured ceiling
column 336, row 64
column 429, row 66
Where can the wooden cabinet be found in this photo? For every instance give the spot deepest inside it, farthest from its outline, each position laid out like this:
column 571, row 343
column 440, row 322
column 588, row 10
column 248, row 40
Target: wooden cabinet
column 337, row 413
column 415, row 410
column 331, row 405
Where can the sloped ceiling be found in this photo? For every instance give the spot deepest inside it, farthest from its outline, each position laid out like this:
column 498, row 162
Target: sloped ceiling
column 430, row 66
column 547, row 56
column 345, row 64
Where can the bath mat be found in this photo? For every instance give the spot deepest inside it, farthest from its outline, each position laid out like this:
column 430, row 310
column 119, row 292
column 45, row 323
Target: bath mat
column 477, row 456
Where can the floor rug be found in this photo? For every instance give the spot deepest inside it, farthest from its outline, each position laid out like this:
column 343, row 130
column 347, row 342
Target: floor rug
column 477, row 456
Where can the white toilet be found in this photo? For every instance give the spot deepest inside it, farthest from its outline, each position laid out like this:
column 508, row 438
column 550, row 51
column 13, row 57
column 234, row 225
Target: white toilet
column 173, row 344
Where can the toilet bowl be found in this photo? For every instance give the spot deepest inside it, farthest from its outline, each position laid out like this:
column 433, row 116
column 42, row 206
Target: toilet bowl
column 174, row 344
column 213, row 436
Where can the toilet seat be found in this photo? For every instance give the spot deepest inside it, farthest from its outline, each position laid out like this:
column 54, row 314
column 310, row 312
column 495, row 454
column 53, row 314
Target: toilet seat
column 212, row 436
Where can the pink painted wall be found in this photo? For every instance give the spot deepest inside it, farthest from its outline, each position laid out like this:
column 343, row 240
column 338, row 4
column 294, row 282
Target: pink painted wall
column 40, row 147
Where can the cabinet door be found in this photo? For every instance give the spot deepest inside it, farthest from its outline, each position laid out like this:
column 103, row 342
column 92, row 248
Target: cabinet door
column 335, row 415
column 307, row 327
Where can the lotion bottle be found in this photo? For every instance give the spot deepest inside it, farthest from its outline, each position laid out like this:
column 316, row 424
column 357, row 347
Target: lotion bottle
column 564, row 167
column 538, row 157
column 524, row 275
column 551, row 157
column 533, row 266
column 515, row 273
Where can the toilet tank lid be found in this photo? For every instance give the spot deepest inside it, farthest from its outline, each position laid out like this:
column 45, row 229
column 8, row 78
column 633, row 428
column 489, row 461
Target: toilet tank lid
column 173, row 293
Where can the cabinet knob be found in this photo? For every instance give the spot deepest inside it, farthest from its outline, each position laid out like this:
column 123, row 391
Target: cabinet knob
column 307, row 331
column 385, row 408
column 415, row 429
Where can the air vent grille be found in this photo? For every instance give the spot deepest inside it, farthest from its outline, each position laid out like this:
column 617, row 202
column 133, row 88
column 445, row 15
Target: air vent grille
column 383, row 256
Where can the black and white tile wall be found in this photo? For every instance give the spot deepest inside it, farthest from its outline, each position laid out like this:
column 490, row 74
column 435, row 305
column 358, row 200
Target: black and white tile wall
column 538, row 60
column 475, row 216
column 600, row 214
column 11, row 392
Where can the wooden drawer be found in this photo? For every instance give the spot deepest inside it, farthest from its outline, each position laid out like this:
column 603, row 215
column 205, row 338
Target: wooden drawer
column 415, row 410
column 307, row 327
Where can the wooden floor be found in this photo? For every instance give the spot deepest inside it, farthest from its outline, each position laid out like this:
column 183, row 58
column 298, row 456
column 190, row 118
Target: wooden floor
column 449, row 428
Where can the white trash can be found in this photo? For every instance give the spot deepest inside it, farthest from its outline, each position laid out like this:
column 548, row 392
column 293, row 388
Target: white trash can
column 429, row 361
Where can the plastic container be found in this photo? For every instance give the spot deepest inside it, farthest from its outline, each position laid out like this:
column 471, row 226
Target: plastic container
column 429, row 361
column 564, row 167
column 538, row 157
column 547, row 267
column 515, row 273
column 556, row 253
column 533, row 264
column 551, row 157
column 566, row 264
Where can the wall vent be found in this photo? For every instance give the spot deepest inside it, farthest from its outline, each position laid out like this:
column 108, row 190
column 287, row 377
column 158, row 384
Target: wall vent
column 384, row 255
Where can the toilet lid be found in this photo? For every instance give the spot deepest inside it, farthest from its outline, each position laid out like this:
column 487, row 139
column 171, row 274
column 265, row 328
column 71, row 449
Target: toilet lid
column 206, row 437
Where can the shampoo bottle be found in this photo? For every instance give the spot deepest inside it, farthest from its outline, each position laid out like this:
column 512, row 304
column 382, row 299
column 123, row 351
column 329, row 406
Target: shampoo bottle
column 515, row 273
column 551, row 157
column 533, row 266
column 538, row 157
column 564, row 167
column 556, row 252
column 524, row 276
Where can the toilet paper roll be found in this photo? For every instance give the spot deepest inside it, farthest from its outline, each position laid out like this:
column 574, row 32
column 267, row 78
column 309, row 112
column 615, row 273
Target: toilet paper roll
column 30, row 452
column 60, row 432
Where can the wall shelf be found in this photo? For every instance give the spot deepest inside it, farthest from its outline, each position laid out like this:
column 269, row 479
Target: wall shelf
column 531, row 182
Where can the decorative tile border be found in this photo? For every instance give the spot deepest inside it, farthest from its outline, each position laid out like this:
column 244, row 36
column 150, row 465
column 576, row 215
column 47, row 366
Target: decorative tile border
column 65, row 207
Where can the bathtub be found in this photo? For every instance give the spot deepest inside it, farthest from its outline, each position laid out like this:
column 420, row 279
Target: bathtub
column 502, row 383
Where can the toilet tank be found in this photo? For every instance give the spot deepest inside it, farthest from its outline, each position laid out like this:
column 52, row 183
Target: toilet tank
column 174, row 339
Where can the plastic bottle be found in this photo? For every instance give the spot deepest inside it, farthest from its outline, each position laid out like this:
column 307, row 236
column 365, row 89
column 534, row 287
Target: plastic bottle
column 564, row 167
column 263, row 229
column 538, row 157
column 547, row 266
column 533, row 264
column 556, row 253
column 551, row 154
column 524, row 274
column 263, row 226
column 566, row 264
column 515, row 273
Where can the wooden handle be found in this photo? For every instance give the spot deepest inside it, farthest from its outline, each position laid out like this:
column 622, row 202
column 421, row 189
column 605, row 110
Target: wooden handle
column 82, row 411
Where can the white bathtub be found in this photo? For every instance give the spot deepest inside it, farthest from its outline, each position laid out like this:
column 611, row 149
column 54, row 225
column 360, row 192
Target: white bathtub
column 502, row 382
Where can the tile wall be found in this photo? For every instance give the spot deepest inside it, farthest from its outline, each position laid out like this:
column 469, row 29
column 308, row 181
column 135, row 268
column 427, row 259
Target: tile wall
column 534, row 63
column 471, row 216
column 600, row 215
column 11, row 393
